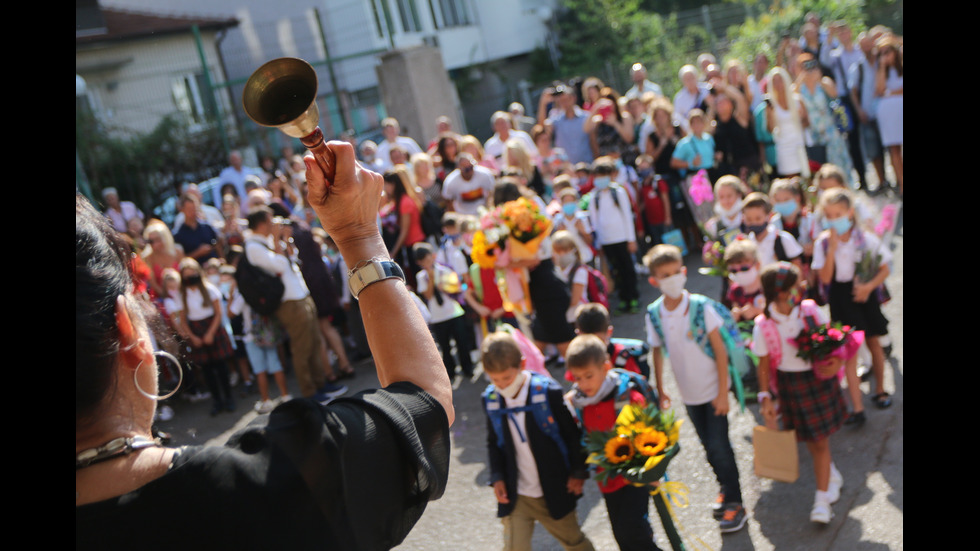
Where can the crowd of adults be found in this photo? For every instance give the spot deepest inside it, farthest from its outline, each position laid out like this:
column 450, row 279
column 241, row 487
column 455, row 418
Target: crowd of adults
column 828, row 97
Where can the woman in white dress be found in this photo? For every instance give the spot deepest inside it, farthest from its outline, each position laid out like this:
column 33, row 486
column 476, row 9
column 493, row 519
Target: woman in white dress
column 888, row 87
column 786, row 117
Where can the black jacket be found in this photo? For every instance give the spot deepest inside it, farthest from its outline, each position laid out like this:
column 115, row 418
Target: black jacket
column 552, row 471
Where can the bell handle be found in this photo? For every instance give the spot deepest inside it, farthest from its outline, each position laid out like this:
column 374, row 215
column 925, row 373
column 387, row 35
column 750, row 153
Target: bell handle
column 324, row 157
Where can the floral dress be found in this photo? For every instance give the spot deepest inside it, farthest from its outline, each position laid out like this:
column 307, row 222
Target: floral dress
column 823, row 129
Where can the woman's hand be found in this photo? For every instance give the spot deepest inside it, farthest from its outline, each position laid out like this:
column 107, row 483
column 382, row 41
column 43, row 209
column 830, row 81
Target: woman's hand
column 348, row 206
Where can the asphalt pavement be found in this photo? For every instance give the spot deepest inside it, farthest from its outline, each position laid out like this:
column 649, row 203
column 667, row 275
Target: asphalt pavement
column 869, row 515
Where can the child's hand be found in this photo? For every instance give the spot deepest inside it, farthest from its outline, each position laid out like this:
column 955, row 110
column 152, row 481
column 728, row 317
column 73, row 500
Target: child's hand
column 664, row 400
column 500, row 492
column 749, row 312
column 827, row 368
column 575, row 486
column 768, row 410
column 862, row 291
column 209, row 338
column 721, row 404
column 196, row 341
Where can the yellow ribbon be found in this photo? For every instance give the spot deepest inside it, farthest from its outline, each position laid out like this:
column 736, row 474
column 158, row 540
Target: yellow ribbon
column 675, row 494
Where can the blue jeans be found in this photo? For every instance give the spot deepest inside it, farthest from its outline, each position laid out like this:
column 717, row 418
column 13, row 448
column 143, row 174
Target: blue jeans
column 713, row 431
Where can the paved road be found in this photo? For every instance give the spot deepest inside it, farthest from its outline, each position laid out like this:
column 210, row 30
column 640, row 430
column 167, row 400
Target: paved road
column 869, row 515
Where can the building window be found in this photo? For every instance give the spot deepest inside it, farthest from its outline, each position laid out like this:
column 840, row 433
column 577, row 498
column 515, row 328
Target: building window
column 191, row 100
column 409, row 14
column 450, row 13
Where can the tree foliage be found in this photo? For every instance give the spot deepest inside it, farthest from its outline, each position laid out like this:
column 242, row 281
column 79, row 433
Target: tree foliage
column 145, row 168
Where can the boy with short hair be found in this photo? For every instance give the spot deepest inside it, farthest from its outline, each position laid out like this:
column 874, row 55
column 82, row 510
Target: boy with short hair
column 611, row 216
column 629, row 354
column 679, row 322
column 773, row 245
column 599, row 393
column 537, row 466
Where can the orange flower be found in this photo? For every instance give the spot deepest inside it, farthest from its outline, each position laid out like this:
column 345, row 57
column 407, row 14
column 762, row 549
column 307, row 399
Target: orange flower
column 650, row 442
column 619, row 449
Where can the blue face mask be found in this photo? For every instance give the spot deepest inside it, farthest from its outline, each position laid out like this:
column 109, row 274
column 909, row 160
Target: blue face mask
column 840, row 225
column 569, row 209
column 786, row 208
column 602, row 182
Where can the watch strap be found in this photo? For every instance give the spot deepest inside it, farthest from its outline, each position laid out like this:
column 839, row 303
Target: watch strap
column 373, row 272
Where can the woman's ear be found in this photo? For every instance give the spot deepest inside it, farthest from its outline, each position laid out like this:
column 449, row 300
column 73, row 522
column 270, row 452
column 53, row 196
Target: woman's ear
column 133, row 348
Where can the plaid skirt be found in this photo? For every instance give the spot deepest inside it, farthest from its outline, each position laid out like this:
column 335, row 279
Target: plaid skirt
column 813, row 407
column 217, row 351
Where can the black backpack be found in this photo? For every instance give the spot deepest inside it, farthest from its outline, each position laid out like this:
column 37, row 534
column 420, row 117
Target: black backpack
column 431, row 218
column 261, row 290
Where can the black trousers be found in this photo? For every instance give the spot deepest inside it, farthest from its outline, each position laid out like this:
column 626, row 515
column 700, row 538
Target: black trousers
column 621, row 263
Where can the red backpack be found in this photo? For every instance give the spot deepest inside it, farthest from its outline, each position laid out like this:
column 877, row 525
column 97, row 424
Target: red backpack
column 597, row 289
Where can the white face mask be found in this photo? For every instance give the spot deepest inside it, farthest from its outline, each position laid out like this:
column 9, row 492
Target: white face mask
column 514, row 387
column 730, row 213
column 746, row 278
column 215, row 279
column 673, row 286
column 566, row 259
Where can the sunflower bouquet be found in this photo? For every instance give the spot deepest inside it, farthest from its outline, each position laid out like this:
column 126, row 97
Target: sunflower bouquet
column 638, row 448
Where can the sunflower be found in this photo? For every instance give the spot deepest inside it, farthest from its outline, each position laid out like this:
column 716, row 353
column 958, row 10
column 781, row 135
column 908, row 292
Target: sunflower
column 483, row 250
column 619, row 449
column 650, row 442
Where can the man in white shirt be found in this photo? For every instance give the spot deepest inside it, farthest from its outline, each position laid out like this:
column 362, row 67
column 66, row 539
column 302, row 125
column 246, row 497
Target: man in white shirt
column 690, row 96
column 234, row 174
column 391, row 130
column 638, row 74
column 503, row 128
column 119, row 212
column 297, row 312
column 469, row 186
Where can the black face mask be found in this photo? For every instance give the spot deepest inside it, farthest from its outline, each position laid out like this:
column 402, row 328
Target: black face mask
column 754, row 229
column 192, row 280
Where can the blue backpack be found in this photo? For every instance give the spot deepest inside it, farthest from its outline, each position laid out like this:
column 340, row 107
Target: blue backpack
column 739, row 364
column 539, row 408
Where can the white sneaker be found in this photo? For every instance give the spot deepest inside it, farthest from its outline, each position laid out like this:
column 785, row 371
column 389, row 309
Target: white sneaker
column 284, row 398
column 836, row 483
column 821, row 513
column 264, row 406
column 233, row 378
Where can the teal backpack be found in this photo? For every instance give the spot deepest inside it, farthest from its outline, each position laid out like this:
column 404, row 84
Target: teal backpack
column 739, row 364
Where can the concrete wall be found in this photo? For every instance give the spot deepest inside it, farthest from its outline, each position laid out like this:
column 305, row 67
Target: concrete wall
column 416, row 89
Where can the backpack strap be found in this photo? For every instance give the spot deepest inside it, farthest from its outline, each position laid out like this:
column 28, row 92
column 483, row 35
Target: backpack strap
column 653, row 312
column 738, row 362
column 774, row 344
column 631, row 381
column 538, row 406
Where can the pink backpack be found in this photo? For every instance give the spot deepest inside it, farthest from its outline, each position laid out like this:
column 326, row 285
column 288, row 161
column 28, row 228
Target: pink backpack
column 774, row 343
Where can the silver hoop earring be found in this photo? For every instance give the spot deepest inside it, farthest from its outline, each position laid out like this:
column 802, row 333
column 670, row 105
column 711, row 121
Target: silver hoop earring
column 169, row 356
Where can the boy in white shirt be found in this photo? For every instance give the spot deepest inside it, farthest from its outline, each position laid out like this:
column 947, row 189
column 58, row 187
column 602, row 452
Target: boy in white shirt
column 773, row 245
column 611, row 215
column 703, row 380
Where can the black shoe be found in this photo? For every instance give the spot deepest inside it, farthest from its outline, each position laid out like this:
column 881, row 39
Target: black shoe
column 718, row 507
column 857, row 419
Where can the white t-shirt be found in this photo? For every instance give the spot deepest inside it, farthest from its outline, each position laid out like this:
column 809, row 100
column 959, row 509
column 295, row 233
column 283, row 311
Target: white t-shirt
column 767, row 247
column 383, row 156
column 696, row 373
column 449, row 308
column 581, row 277
column 613, row 224
column 528, row 481
column 561, row 222
column 789, row 327
column 198, row 308
column 469, row 196
column 495, row 146
column 846, row 256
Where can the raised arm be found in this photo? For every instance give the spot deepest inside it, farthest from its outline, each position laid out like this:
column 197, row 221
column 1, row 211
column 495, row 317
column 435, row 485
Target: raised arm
column 400, row 341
